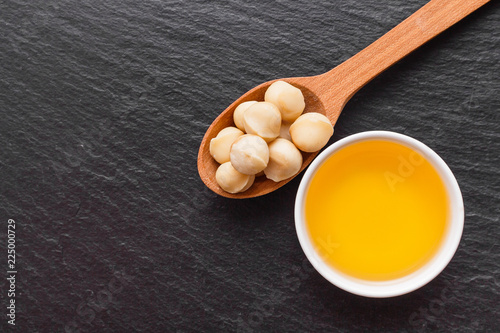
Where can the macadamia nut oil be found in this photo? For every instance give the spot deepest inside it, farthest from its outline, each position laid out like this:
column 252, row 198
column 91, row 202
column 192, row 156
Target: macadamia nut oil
column 376, row 210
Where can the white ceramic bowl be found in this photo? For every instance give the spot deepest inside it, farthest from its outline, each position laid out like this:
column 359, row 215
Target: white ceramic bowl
column 414, row 280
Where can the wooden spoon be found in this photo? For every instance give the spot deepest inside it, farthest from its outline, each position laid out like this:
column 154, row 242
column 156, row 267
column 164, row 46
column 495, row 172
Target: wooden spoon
column 329, row 92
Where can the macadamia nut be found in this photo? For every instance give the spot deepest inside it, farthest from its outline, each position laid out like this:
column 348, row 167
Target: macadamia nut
column 311, row 132
column 263, row 119
column 285, row 160
column 238, row 114
column 232, row 181
column 249, row 154
column 288, row 99
column 221, row 144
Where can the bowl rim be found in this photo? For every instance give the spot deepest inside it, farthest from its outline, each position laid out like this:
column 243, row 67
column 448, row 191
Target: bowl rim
column 413, row 281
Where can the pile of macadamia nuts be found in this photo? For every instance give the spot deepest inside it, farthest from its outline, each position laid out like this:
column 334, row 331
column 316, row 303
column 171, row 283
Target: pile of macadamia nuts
column 268, row 138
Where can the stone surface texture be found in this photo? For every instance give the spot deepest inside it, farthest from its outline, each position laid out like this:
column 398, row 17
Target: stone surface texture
column 103, row 105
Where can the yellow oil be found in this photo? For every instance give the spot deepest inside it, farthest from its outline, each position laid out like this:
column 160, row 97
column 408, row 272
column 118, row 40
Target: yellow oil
column 376, row 210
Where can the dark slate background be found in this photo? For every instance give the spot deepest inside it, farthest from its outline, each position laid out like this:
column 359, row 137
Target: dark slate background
column 103, row 106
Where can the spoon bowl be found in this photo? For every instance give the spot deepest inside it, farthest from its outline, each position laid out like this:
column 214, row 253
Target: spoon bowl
column 329, row 92
column 207, row 166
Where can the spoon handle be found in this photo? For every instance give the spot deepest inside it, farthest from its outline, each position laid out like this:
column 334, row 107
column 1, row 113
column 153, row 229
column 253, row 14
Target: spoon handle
column 426, row 23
